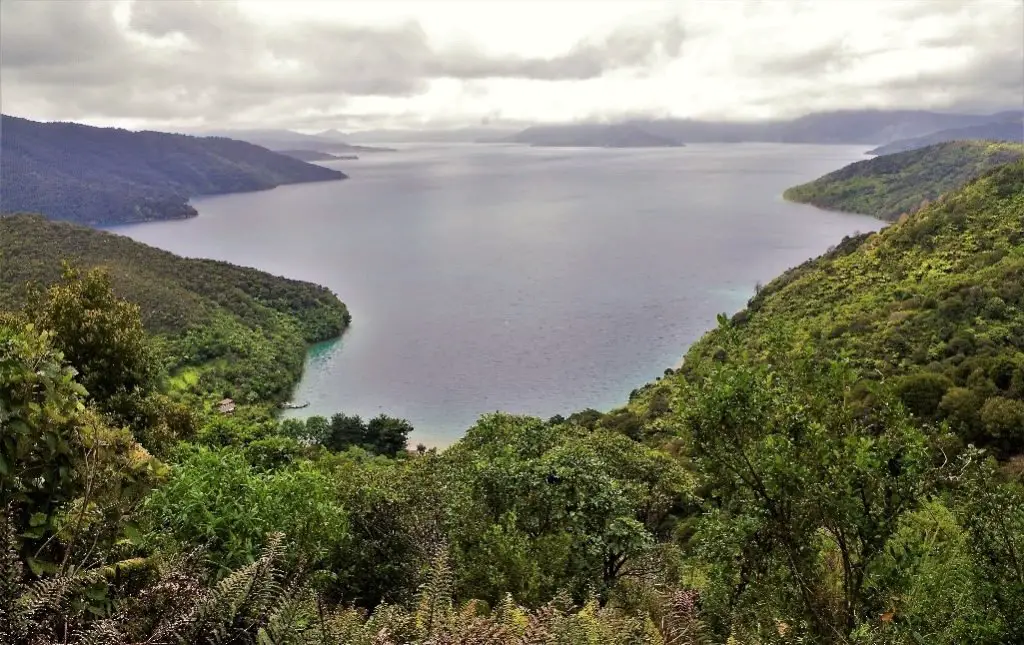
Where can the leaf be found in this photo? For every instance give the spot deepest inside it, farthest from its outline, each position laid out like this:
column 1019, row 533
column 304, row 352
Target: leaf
column 36, row 566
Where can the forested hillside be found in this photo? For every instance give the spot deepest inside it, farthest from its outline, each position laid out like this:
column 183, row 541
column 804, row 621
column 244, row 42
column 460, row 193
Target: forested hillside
column 224, row 329
column 936, row 304
column 93, row 176
column 892, row 185
column 839, row 464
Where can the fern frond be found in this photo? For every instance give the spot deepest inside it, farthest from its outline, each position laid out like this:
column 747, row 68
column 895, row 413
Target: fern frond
column 434, row 607
column 679, row 621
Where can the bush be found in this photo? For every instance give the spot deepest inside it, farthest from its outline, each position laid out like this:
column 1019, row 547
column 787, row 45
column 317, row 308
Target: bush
column 922, row 392
column 1003, row 420
column 216, row 499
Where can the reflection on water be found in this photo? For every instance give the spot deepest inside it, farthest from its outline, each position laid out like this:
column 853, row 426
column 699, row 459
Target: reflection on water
column 529, row 280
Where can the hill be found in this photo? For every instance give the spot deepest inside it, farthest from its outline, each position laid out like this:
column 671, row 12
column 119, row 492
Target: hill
column 861, row 127
column 314, row 155
column 278, row 140
column 935, row 301
column 891, row 185
column 592, row 136
column 791, row 503
column 1010, row 130
column 94, row 176
column 223, row 328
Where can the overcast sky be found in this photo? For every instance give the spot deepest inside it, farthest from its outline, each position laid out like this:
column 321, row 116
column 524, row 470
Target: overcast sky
column 319, row 64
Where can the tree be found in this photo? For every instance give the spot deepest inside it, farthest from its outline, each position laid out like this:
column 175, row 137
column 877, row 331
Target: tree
column 387, row 435
column 804, row 493
column 41, row 409
column 922, row 392
column 345, row 431
column 98, row 333
column 534, row 509
column 62, row 467
column 1003, row 420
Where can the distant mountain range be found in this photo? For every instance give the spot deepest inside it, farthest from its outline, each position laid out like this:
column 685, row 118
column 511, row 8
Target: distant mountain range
column 329, row 141
column 471, row 134
column 618, row 135
column 313, row 155
column 853, row 127
column 94, row 176
column 1010, row 131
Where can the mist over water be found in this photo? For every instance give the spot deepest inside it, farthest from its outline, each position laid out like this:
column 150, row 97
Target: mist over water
column 528, row 280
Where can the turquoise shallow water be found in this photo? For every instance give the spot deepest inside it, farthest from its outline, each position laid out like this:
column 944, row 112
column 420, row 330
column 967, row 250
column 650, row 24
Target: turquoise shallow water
column 530, row 280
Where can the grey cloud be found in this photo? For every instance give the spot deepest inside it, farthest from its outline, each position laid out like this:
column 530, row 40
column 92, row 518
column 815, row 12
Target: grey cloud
column 182, row 60
column 73, row 58
column 989, row 74
column 824, row 59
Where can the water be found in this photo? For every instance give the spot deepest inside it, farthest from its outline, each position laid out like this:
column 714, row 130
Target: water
column 529, row 280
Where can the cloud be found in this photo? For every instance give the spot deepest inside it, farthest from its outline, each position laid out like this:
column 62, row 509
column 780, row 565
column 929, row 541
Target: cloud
column 188, row 59
column 219, row 63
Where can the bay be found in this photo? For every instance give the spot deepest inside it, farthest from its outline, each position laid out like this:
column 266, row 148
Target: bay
column 529, row 280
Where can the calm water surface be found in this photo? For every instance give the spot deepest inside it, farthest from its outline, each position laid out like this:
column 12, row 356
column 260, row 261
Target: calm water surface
column 529, row 280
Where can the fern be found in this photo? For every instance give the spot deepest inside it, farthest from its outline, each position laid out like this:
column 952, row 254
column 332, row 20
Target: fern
column 13, row 620
column 434, row 607
column 678, row 622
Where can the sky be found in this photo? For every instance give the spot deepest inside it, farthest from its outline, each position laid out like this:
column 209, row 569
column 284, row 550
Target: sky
column 318, row 64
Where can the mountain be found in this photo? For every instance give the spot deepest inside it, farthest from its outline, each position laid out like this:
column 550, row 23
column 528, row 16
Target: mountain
column 1011, row 130
column 225, row 328
column 333, row 133
column 95, row 176
column 313, row 155
column 328, row 141
column 868, row 126
column 860, row 127
column 935, row 302
column 622, row 135
column 891, row 185
column 470, row 134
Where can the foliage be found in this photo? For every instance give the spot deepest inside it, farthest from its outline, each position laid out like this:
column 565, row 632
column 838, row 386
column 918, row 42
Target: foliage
column 535, row 508
column 796, row 480
column 382, row 435
column 245, row 332
column 66, row 476
column 804, row 493
column 93, row 176
column 217, row 500
column 269, row 602
column 99, row 333
column 936, row 301
column 895, row 184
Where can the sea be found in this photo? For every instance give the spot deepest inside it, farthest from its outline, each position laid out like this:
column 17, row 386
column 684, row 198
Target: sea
column 534, row 281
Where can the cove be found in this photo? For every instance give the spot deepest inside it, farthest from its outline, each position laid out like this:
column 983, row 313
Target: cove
column 530, row 280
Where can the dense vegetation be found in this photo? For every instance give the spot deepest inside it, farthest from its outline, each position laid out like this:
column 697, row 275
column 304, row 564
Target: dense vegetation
column 793, row 482
column 935, row 304
column 893, row 185
column 220, row 330
column 1011, row 130
column 74, row 172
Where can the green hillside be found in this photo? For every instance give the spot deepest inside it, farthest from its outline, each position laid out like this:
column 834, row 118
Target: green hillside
column 805, row 477
column 936, row 301
column 242, row 332
column 892, row 185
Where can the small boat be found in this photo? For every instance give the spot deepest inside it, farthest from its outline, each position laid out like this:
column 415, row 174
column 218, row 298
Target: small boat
column 295, row 406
